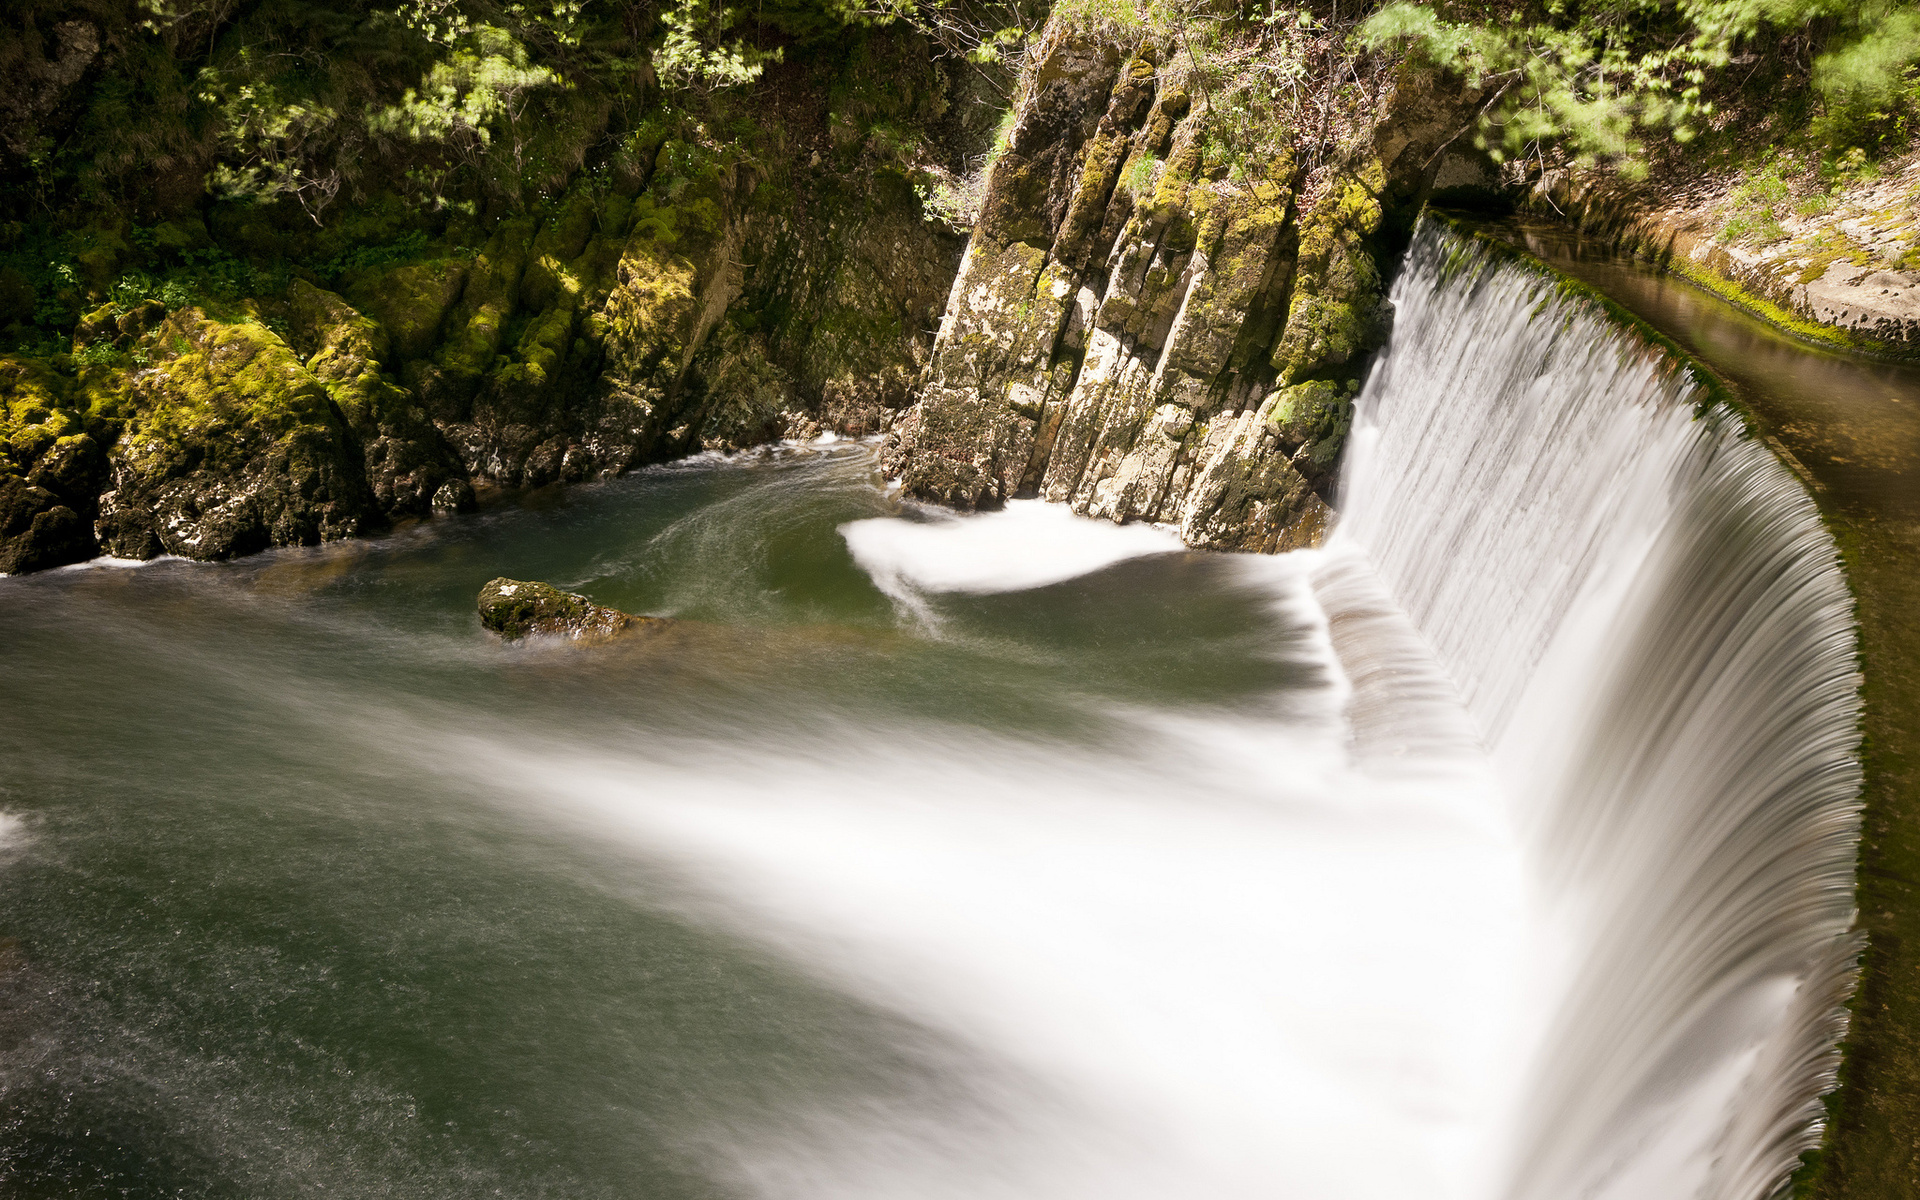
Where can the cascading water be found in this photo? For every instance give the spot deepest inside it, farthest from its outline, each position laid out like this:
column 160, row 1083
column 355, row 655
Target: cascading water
column 1646, row 619
column 1015, row 856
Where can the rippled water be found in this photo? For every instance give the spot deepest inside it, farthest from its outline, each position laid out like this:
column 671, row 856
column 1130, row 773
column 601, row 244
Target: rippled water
column 1014, row 856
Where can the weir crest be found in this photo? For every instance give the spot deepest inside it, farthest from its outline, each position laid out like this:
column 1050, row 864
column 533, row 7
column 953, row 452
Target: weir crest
column 1647, row 622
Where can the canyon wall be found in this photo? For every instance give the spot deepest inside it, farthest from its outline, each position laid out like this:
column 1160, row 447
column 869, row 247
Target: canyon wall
column 719, row 284
column 1147, row 327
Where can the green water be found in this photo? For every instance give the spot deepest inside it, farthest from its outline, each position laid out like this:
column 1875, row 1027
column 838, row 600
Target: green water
column 267, row 935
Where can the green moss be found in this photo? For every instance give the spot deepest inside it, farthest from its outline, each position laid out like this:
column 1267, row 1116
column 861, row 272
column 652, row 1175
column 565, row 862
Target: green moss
column 1334, row 317
column 410, row 301
column 1818, row 265
column 35, row 412
column 233, row 371
column 654, row 298
column 1774, row 314
column 517, row 608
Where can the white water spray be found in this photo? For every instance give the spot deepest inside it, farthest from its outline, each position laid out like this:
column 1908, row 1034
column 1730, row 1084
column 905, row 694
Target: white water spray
column 1201, row 955
column 1028, row 544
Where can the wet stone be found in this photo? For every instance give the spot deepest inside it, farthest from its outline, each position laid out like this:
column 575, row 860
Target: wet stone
column 516, row 608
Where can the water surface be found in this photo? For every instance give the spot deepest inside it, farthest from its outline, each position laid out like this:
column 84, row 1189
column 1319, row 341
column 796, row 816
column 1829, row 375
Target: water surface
column 1017, row 856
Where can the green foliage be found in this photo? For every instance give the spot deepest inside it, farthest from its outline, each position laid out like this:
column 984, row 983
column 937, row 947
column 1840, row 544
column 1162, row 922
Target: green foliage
column 137, row 287
column 266, row 133
column 1867, row 79
column 696, row 52
column 484, row 84
column 942, row 201
column 1003, row 133
column 1758, row 202
column 403, row 249
column 998, row 45
column 1142, row 173
column 97, row 354
column 1598, row 78
column 1585, row 81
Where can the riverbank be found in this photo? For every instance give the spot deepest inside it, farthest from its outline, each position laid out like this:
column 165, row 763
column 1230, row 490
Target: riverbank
column 1831, row 259
column 1853, row 428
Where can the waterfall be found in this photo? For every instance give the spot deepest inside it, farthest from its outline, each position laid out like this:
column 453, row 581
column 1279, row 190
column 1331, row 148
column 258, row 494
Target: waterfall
column 1647, row 622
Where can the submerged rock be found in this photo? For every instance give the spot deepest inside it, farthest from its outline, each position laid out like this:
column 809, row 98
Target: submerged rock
column 514, row 608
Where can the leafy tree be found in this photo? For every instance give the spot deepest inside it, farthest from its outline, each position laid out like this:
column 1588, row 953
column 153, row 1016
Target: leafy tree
column 1597, row 77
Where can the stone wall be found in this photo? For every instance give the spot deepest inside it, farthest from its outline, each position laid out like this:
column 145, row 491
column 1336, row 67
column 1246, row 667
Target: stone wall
column 1846, row 274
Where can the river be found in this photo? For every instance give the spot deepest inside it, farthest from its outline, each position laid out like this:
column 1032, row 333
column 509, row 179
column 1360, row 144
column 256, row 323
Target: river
column 1014, row 855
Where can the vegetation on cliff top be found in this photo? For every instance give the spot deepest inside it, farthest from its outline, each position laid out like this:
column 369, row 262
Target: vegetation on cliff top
column 1596, row 79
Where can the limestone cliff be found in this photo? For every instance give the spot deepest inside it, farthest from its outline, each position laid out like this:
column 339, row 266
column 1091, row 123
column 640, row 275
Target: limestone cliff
column 1145, row 331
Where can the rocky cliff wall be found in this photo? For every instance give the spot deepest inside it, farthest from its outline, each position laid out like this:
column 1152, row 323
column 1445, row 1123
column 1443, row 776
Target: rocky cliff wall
column 727, row 286
column 1145, row 329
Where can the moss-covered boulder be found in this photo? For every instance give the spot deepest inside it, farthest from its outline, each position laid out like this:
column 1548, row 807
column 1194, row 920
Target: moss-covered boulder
column 51, row 469
column 37, row 531
column 408, row 461
column 233, row 446
column 517, row 608
column 410, row 301
column 1310, row 422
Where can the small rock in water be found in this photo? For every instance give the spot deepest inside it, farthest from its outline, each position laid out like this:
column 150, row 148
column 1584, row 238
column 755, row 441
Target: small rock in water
column 514, row 608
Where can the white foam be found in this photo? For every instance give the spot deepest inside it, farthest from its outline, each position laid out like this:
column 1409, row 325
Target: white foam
column 109, row 562
column 1216, row 963
column 1646, row 621
column 1028, row 544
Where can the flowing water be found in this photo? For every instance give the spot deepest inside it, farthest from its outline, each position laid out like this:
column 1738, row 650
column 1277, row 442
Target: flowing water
column 1646, row 618
column 1499, row 850
column 1017, row 856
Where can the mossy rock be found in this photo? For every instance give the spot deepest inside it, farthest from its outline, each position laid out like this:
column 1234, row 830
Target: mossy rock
column 1311, row 411
column 1338, row 314
column 517, row 608
column 407, row 459
column 235, row 446
column 37, row 531
column 410, row 302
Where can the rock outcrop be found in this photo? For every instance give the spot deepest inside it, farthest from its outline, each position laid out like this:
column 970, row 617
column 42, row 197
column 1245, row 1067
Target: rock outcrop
column 1846, row 271
column 713, row 291
column 1145, row 330
column 517, row 608
column 51, row 471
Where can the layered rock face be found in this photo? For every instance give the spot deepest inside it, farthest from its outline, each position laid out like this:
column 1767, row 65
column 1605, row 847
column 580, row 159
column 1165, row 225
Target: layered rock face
column 1145, row 330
